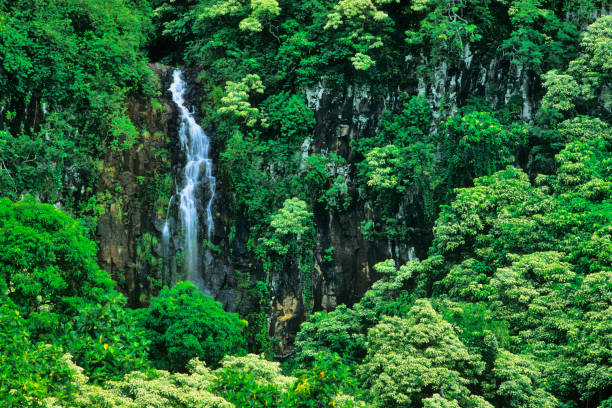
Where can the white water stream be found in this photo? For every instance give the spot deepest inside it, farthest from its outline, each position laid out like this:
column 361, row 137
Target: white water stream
column 198, row 168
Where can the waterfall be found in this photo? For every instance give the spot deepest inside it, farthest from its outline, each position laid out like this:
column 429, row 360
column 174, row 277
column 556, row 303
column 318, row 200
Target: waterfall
column 198, row 167
column 166, row 234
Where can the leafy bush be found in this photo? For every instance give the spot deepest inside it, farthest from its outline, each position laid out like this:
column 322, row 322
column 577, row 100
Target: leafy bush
column 30, row 373
column 290, row 116
column 104, row 338
column 48, row 272
column 424, row 357
column 341, row 331
column 328, row 382
column 183, row 323
column 46, row 260
column 155, row 389
column 250, row 381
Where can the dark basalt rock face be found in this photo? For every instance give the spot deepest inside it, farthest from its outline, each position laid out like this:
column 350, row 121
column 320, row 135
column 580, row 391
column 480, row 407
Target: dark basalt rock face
column 125, row 184
column 344, row 276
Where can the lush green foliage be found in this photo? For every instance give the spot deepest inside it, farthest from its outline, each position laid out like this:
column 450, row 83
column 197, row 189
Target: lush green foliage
column 184, row 323
column 29, row 373
column 508, row 178
column 417, row 360
column 46, row 260
column 251, row 381
column 49, row 275
column 516, row 267
column 583, row 80
column 328, row 382
column 67, row 67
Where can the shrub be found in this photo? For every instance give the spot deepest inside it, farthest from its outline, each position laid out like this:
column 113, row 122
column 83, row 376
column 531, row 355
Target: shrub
column 183, row 323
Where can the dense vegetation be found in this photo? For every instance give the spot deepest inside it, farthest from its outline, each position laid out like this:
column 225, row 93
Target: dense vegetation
column 510, row 187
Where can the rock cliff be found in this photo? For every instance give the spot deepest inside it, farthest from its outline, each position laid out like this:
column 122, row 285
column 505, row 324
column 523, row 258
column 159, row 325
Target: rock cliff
column 143, row 180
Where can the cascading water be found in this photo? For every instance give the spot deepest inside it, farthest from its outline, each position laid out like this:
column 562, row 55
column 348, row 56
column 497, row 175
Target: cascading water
column 166, row 233
column 196, row 145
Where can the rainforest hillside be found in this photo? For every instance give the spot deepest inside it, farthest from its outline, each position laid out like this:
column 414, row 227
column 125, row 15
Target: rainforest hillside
column 308, row 203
